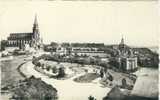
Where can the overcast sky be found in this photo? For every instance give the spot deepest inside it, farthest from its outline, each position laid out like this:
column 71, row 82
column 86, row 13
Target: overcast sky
column 103, row 22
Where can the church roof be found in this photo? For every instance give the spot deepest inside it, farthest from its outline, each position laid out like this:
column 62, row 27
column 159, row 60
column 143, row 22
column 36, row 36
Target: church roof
column 14, row 36
column 27, row 33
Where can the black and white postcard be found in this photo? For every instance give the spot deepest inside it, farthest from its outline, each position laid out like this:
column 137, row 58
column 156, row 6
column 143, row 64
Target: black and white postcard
column 79, row 49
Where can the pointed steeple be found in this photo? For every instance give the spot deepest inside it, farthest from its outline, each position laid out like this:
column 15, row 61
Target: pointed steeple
column 35, row 28
column 35, row 21
column 35, row 24
column 122, row 40
column 122, row 46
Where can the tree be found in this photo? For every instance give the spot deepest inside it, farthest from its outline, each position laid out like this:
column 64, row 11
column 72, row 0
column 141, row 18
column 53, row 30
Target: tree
column 65, row 45
column 91, row 98
column 54, row 44
column 48, row 68
column 110, row 77
column 54, row 70
column 3, row 44
column 61, row 72
column 38, row 64
column 101, row 73
column 42, row 65
column 124, row 82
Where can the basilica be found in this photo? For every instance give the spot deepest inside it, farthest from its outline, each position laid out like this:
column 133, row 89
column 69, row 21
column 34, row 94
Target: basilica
column 126, row 58
column 30, row 39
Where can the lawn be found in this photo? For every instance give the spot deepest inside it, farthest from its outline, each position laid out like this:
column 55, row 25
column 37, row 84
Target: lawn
column 9, row 73
column 88, row 77
column 117, row 80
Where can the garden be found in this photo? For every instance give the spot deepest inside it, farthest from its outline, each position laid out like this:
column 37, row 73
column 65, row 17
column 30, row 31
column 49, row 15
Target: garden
column 88, row 69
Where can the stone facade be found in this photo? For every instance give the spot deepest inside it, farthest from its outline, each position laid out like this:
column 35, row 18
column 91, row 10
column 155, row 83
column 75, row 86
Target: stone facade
column 22, row 39
column 126, row 58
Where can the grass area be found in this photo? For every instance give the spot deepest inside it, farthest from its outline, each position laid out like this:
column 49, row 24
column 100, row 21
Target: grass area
column 9, row 73
column 130, row 79
column 16, row 86
column 34, row 89
column 89, row 77
column 117, row 80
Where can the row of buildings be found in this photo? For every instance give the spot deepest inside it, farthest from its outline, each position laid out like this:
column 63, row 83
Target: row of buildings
column 81, row 51
column 125, row 58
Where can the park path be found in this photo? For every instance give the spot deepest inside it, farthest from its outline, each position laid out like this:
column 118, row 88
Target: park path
column 68, row 89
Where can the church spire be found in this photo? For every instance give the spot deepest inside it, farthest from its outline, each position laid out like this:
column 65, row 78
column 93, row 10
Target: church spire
column 35, row 28
column 35, row 21
column 122, row 40
column 122, row 45
column 35, row 24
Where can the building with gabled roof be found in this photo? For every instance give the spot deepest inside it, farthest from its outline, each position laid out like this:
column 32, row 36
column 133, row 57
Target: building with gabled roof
column 29, row 38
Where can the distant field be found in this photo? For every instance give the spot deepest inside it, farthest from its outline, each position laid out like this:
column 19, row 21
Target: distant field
column 9, row 73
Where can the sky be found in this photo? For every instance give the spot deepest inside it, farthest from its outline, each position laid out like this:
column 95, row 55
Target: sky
column 84, row 21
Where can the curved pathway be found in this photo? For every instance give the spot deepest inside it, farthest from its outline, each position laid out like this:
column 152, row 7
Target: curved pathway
column 18, row 69
column 68, row 89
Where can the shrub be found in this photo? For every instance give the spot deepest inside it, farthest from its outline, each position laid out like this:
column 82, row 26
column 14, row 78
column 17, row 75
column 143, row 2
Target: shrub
column 42, row 65
column 35, row 89
column 101, row 73
column 48, row 68
column 124, row 83
column 54, row 70
column 61, row 72
column 38, row 64
column 110, row 77
column 91, row 98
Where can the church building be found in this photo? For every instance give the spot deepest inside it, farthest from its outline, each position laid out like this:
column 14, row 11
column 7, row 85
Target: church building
column 20, row 40
column 127, row 61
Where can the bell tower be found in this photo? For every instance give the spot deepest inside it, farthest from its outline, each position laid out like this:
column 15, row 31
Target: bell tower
column 36, row 34
column 122, row 46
